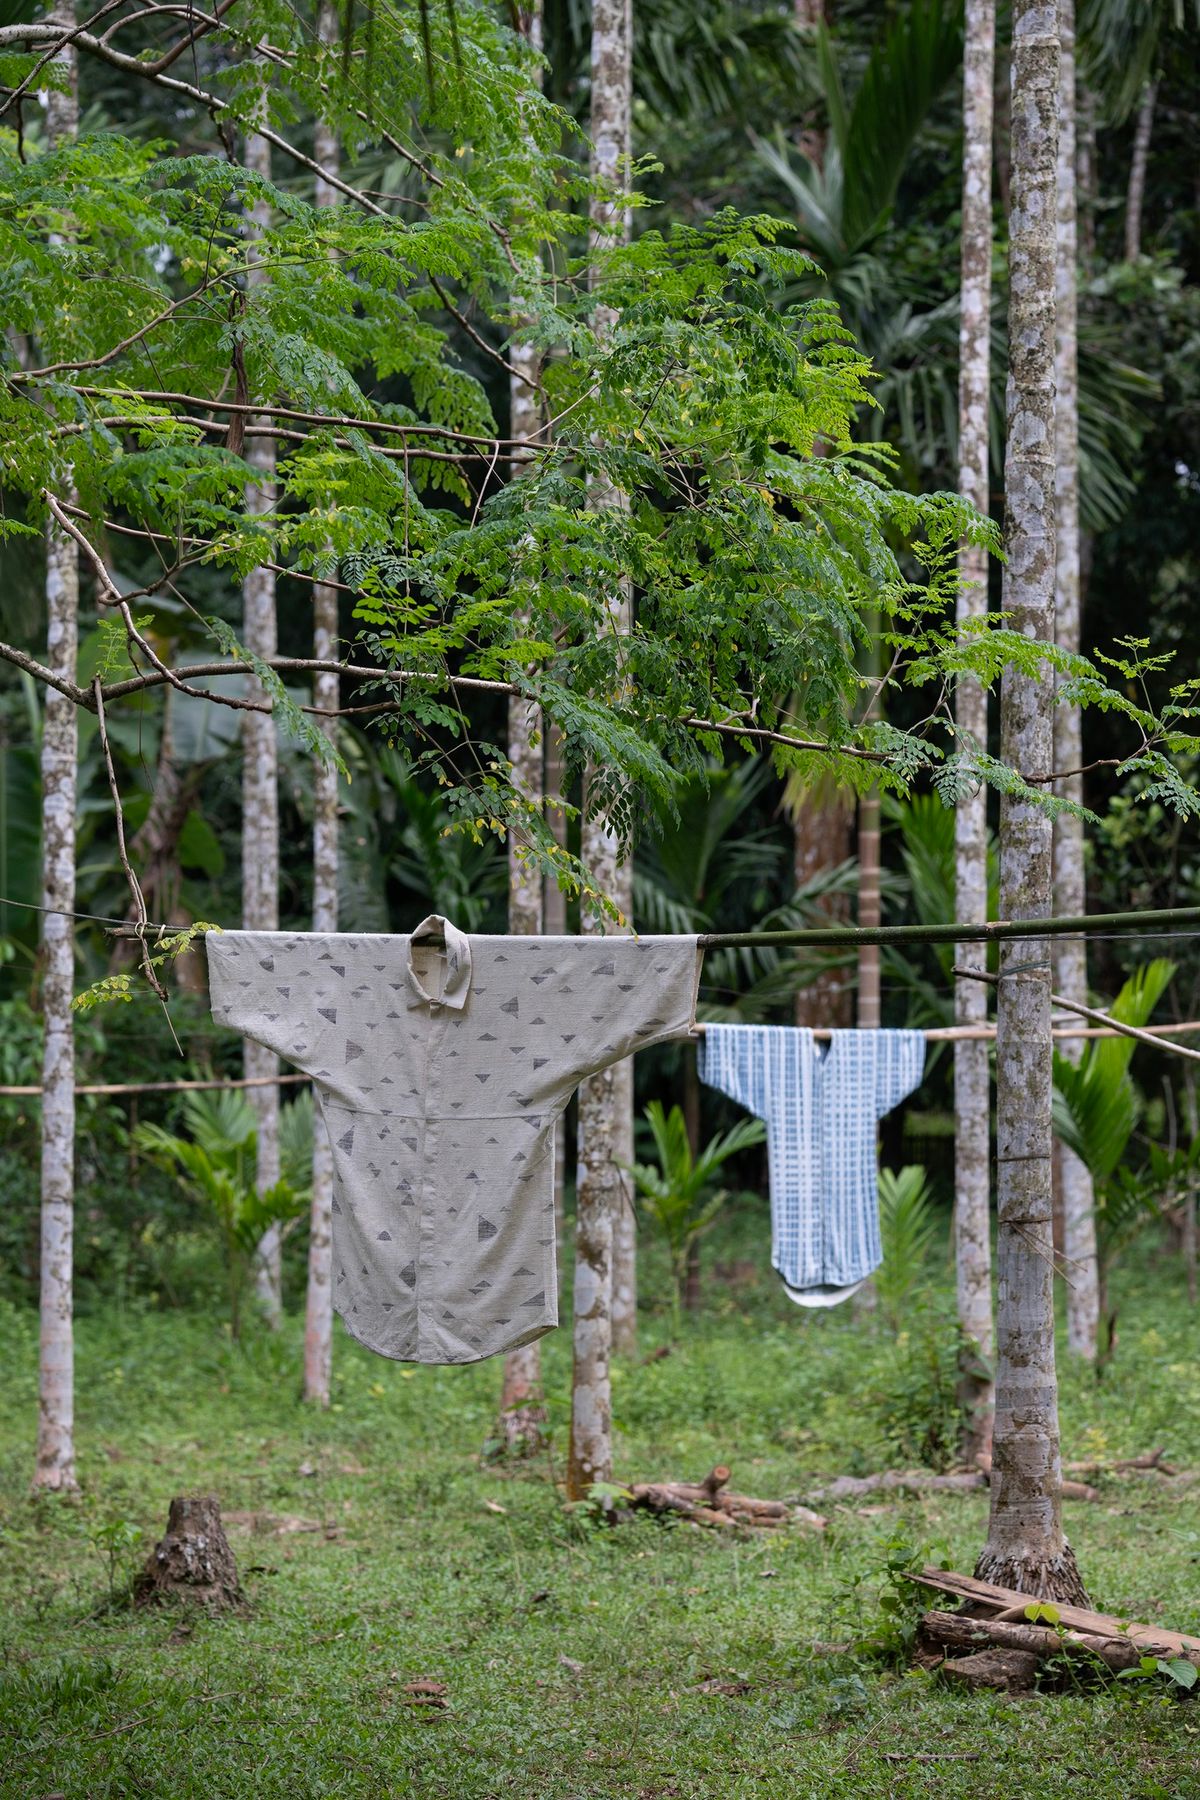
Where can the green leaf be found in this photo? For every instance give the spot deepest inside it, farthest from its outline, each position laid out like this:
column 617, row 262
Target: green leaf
column 199, row 846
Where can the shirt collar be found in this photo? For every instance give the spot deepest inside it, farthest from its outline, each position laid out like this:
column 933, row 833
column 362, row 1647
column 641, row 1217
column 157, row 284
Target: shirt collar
column 458, row 964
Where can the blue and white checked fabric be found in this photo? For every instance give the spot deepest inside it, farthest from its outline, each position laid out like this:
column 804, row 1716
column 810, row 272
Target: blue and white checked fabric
column 822, row 1110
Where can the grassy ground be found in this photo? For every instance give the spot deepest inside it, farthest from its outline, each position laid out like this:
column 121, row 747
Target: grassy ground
column 579, row 1662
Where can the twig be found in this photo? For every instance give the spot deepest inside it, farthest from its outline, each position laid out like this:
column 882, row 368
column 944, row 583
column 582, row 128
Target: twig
column 928, row 1756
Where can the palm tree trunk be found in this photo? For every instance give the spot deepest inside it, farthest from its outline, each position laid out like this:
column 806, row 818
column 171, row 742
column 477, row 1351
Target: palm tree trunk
column 822, row 838
column 1139, row 163
column 318, row 1305
column 605, row 1110
column 1070, row 954
column 55, row 1460
column 1026, row 1548
column 260, row 796
column 972, row 1075
column 869, row 909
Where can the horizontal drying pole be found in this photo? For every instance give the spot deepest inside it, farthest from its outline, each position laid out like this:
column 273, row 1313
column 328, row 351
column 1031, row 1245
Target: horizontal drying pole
column 834, row 936
column 937, row 1034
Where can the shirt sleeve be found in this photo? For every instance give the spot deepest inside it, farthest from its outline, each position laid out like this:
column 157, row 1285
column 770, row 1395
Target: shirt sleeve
column 251, row 991
column 730, row 1058
column 899, row 1067
column 624, row 994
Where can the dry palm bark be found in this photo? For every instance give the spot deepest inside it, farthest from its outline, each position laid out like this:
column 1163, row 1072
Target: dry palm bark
column 260, row 789
column 972, row 1075
column 1070, row 899
column 605, row 1109
column 318, row 1306
column 55, row 1462
column 1026, row 1547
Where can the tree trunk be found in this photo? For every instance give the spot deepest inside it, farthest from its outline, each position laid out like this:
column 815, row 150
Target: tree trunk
column 605, row 1113
column 1138, row 166
column 55, row 1463
column 624, row 1276
column 1188, row 1234
column 1070, row 899
column 522, row 1414
column 972, row 1074
column 260, row 796
column 822, row 838
column 1026, row 1548
column 318, row 1305
column 1085, row 175
column 554, row 914
column 869, row 910
column 192, row 1560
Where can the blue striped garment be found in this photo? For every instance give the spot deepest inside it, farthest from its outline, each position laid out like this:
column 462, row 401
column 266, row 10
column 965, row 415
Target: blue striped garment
column 822, row 1110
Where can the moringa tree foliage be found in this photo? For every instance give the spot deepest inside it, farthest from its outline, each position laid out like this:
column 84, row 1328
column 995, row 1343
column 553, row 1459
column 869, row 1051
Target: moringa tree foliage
column 762, row 531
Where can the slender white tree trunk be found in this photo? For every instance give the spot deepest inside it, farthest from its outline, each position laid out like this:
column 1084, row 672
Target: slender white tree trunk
column 1070, row 898
column 55, row 1464
column 972, row 1074
column 1026, row 1548
column 605, row 1110
column 1139, row 164
column 260, row 795
column 318, row 1307
column 554, row 916
column 1085, row 173
column 522, row 1414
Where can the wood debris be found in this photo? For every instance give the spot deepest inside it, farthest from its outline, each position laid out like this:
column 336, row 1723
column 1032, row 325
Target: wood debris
column 709, row 1502
column 994, row 1643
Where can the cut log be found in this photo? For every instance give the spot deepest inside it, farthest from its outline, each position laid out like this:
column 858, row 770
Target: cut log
column 1004, row 1671
column 193, row 1560
column 989, row 1599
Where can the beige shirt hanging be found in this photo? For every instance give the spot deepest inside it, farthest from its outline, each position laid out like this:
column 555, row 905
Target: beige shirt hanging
column 440, row 1070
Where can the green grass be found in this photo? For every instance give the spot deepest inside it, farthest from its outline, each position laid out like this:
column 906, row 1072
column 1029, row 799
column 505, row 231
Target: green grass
column 575, row 1657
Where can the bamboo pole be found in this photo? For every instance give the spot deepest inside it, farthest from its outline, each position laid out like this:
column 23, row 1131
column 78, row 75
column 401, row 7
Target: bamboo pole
column 835, row 935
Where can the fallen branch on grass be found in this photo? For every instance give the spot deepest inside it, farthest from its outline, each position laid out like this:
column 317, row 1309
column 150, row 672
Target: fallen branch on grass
column 709, row 1502
column 920, row 1481
column 1005, row 1646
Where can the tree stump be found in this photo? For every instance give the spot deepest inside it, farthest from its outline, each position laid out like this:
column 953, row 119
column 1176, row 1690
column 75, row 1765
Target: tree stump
column 193, row 1560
